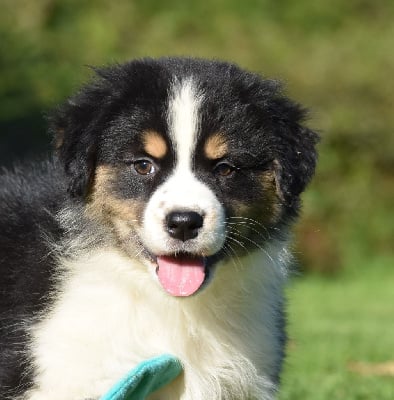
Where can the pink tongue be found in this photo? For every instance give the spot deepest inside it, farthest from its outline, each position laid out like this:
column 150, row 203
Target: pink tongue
column 181, row 276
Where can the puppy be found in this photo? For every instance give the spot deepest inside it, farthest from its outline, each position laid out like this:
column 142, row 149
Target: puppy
column 161, row 225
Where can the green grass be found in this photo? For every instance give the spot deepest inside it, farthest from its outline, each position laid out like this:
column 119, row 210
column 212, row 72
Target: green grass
column 335, row 324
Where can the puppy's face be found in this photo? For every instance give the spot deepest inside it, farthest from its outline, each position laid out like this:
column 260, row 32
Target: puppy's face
column 188, row 168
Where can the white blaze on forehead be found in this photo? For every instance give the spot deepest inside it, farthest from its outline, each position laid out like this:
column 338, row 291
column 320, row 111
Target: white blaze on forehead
column 182, row 191
column 183, row 119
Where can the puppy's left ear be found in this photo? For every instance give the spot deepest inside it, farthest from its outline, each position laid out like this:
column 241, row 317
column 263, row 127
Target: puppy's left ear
column 299, row 158
column 289, row 142
column 296, row 157
column 293, row 148
column 76, row 127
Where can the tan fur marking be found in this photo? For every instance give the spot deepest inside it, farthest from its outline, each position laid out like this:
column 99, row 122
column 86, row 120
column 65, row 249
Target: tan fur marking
column 122, row 215
column 272, row 197
column 268, row 210
column 154, row 144
column 59, row 138
column 104, row 174
column 216, row 146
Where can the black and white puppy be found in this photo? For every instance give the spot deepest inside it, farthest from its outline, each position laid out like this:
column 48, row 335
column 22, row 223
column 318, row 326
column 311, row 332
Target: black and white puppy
column 161, row 226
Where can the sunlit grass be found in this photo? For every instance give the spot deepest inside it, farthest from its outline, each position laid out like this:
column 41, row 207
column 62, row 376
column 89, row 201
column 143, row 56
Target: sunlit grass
column 341, row 337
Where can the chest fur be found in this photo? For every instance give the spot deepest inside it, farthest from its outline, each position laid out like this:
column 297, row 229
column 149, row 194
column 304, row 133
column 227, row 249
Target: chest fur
column 111, row 314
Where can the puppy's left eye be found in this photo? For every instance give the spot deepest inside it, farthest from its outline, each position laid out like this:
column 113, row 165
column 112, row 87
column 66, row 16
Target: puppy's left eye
column 144, row 167
column 224, row 169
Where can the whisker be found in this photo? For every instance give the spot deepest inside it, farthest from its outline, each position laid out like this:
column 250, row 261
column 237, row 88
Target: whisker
column 248, row 219
column 255, row 244
column 250, row 222
column 233, row 255
column 252, row 228
column 239, row 243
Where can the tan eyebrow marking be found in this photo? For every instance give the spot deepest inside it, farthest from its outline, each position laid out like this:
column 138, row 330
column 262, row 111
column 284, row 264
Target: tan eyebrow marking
column 216, row 146
column 154, row 144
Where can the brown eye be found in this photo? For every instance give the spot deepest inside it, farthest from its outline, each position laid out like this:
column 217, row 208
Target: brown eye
column 224, row 169
column 144, row 167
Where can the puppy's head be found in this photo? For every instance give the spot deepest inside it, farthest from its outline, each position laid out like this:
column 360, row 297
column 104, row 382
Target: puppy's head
column 186, row 162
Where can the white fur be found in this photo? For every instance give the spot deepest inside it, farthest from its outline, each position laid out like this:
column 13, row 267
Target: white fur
column 111, row 315
column 183, row 120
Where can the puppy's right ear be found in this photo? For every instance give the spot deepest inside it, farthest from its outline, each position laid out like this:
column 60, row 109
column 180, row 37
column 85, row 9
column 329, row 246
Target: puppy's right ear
column 76, row 127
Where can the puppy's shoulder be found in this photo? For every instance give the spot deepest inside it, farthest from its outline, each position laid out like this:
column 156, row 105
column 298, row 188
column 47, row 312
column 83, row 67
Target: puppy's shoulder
column 31, row 194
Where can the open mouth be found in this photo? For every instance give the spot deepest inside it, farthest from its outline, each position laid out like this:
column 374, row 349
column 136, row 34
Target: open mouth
column 182, row 275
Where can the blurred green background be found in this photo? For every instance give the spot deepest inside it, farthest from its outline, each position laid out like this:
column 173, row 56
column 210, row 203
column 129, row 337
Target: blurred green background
column 336, row 57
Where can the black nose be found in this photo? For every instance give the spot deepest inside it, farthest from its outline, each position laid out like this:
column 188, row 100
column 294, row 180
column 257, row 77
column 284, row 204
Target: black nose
column 184, row 225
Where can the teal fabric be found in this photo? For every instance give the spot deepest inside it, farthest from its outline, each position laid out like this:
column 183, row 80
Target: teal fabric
column 147, row 377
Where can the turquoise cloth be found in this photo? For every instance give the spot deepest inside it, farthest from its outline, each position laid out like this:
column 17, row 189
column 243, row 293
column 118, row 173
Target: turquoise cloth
column 147, row 377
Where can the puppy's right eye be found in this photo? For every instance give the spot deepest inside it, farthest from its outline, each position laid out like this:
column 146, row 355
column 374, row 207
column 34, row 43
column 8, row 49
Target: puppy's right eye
column 144, row 167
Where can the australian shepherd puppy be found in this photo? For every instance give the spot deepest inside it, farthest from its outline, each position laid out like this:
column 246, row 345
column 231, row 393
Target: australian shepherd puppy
column 161, row 225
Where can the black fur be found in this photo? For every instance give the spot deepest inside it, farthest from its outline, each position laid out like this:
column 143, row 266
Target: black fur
column 29, row 198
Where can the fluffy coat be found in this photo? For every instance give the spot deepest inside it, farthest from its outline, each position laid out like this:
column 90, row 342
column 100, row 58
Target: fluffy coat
column 85, row 238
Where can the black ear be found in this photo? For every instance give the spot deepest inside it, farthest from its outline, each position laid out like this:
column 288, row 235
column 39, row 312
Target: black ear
column 75, row 144
column 76, row 127
column 288, row 141
column 295, row 151
column 293, row 147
